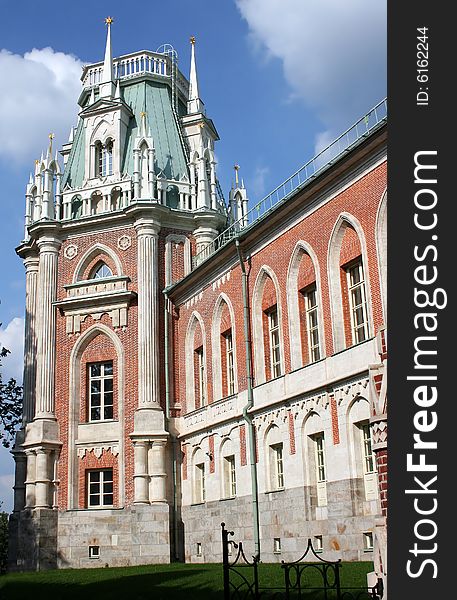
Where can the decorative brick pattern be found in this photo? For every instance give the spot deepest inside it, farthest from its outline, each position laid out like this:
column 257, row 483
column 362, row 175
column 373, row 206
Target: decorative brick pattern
column 291, row 424
column 335, row 424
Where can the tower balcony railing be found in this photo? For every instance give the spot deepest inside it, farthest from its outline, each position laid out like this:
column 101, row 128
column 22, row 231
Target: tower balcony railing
column 366, row 125
column 132, row 65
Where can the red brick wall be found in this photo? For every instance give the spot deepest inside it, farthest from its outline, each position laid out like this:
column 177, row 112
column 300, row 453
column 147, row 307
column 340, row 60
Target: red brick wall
column 361, row 200
column 91, row 462
column 381, row 462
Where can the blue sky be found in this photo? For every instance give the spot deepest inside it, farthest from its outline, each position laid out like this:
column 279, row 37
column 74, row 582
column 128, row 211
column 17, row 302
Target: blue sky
column 279, row 78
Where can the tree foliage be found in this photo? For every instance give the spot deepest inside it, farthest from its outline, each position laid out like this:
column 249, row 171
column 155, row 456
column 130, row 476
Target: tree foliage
column 10, row 406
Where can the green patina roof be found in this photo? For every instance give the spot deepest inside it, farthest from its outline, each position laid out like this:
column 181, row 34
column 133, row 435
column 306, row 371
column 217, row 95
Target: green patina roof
column 153, row 98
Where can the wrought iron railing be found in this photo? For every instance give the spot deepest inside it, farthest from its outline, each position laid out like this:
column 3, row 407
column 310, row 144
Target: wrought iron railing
column 323, row 160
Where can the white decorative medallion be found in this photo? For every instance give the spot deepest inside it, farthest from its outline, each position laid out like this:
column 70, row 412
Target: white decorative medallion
column 124, row 242
column 70, row 251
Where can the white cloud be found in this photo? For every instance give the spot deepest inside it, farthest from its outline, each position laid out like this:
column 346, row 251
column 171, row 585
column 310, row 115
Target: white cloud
column 258, row 184
column 12, row 337
column 39, row 93
column 6, row 481
column 333, row 53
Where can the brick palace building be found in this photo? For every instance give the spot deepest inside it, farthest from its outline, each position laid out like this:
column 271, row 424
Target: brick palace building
column 190, row 360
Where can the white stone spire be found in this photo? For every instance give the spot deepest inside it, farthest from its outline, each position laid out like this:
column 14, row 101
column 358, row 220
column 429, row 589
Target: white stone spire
column 195, row 105
column 107, row 87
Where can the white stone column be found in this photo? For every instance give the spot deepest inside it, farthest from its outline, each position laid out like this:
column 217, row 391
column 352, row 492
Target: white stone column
column 151, row 172
column 213, row 186
column 141, row 477
column 58, row 208
column 46, row 327
column 42, row 478
column 202, row 184
column 47, row 212
column 30, row 339
column 30, row 481
column 28, row 214
column 157, row 472
column 148, row 332
column 136, row 173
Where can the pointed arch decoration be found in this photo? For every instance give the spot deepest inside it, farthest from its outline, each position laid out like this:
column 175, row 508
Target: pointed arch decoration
column 74, row 410
column 194, row 322
column 264, row 274
column 296, row 353
column 222, row 301
column 90, row 255
column 333, row 272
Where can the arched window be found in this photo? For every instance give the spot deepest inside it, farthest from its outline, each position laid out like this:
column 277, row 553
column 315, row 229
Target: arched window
column 361, row 445
column 76, row 207
column 100, row 271
column 349, row 284
column 267, row 327
column 228, row 469
column 199, row 477
column 195, row 348
column 315, row 459
column 275, row 458
column 223, row 349
column 104, row 158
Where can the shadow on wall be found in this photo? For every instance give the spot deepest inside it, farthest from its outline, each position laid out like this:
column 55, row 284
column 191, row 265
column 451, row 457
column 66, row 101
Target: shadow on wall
column 135, row 583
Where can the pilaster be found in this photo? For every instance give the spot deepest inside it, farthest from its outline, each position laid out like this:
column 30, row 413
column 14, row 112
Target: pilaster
column 31, row 263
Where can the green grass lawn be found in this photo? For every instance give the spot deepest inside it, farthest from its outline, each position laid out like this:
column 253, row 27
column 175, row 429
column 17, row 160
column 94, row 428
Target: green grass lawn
column 152, row 582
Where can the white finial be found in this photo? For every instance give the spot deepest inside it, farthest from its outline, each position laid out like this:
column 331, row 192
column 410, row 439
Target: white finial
column 117, row 95
column 107, row 82
column 195, row 105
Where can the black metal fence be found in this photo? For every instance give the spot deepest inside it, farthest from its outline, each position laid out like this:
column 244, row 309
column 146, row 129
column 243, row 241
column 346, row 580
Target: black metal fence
column 308, row 578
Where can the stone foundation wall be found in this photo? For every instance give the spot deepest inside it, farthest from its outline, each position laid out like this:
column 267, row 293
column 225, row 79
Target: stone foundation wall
column 46, row 539
column 285, row 515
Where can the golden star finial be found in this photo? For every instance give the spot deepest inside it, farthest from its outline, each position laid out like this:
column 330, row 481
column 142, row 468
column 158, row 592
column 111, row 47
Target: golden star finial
column 192, row 39
column 109, row 20
column 237, row 168
column 37, row 162
column 142, row 114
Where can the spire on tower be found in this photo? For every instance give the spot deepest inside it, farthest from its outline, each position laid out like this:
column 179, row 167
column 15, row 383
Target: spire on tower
column 107, row 83
column 195, row 105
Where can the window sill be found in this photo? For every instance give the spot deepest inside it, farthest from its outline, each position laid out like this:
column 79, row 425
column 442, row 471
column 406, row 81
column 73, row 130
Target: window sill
column 198, row 503
column 281, row 489
column 227, row 498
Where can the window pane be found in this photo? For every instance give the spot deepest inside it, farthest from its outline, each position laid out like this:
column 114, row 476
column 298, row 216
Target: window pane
column 95, row 414
column 95, row 370
column 107, row 499
column 95, row 399
column 108, row 368
column 108, row 412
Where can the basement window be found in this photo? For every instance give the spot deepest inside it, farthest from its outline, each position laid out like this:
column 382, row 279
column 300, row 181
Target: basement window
column 94, row 551
column 199, row 549
column 368, row 541
column 277, row 545
column 317, row 544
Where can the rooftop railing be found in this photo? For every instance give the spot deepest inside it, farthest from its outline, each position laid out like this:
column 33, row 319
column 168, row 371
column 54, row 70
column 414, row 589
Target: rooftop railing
column 321, row 161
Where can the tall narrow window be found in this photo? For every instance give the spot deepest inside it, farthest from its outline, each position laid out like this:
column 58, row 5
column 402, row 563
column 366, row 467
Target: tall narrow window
column 100, row 488
column 275, row 352
column 276, row 457
column 358, row 302
column 312, row 323
column 108, row 158
column 321, row 468
column 370, row 478
column 230, row 476
column 100, row 391
column 99, row 159
column 229, row 363
column 104, row 159
column 200, row 375
column 200, row 491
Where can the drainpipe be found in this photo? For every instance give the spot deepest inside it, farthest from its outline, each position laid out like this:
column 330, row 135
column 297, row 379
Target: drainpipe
column 250, row 403
column 173, row 436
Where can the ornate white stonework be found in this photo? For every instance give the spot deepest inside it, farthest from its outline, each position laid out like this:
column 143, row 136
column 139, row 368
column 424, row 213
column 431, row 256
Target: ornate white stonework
column 124, row 242
column 71, row 251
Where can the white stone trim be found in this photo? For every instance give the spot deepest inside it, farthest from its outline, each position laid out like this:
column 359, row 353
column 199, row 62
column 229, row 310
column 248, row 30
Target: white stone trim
column 189, row 359
column 216, row 346
column 92, row 253
column 74, row 409
column 257, row 322
column 333, row 273
column 381, row 249
column 169, row 241
column 296, row 355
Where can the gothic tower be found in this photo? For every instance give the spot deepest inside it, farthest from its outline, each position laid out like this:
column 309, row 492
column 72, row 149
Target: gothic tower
column 137, row 198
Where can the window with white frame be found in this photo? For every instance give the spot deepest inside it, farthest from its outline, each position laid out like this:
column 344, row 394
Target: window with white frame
column 275, row 351
column 312, row 323
column 368, row 541
column 321, row 468
column 100, row 488
column 200, row 491
column 277, row 466
column 357, row 302
column 229, row 362
column 368, row 461
column 104, row 158
column 230, row 476
column 200, row 375
column 100, row 271
column 101, row 391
